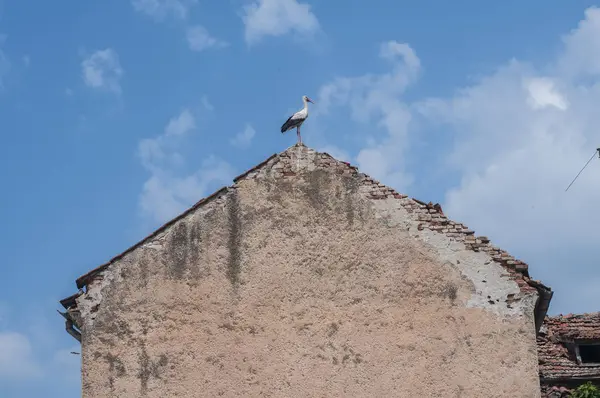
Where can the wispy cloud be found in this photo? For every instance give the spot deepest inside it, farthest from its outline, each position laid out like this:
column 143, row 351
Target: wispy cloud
column 166, row 194
column 168, row 191
column 197, row 36
column 35, row 357
column 199, row 39
column 243, row 139
column 160, row 152
column 376, row 99
column 16, row 357
column 182, row 124
column 102, row 70
column 543, row 93
column 264, row 18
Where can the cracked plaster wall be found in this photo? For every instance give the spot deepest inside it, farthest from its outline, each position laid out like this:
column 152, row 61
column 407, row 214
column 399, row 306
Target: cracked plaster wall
column 293, row 284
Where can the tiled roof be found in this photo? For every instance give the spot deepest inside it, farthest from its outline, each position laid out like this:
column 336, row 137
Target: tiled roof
column 556, row 362
column 429, row 216
column 581, row 326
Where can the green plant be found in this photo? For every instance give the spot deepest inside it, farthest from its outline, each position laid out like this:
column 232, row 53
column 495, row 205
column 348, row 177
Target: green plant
column 586, row 390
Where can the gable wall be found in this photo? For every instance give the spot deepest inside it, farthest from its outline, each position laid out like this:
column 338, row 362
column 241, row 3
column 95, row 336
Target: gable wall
column 297, row 282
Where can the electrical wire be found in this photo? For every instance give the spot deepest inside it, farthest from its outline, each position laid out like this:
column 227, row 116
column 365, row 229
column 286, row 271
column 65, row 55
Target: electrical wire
column 588, row 162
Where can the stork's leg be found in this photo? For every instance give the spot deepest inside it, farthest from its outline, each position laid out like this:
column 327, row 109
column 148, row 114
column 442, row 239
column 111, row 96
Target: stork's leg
column 298, row 133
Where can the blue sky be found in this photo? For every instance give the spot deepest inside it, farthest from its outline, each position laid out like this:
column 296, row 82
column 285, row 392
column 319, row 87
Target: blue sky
column 117, row 115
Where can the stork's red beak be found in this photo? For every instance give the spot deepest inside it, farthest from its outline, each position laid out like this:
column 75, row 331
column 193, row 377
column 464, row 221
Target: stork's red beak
column 309, row 100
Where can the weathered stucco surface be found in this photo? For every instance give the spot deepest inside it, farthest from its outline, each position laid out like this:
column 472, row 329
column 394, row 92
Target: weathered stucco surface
column 295, row 284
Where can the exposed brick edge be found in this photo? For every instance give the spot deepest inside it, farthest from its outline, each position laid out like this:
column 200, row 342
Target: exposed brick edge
column 430, row 216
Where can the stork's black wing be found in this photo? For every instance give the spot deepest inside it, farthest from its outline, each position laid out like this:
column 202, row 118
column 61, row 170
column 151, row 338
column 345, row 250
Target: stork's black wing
column 290, row 123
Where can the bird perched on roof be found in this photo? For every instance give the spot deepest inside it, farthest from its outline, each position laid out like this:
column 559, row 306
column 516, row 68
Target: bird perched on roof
column 297, row 119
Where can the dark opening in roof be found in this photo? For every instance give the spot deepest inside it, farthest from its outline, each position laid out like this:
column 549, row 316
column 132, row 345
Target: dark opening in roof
column 590, row 353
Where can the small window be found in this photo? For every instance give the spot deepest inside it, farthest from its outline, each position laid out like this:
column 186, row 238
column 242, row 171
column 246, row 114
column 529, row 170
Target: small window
column 589, row 353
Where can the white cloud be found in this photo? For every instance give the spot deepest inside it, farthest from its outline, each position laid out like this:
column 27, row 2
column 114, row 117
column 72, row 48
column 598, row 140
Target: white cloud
column 155, row 153
column 161, row 9
column 515, row 139
column 542, row 94
column 199, row 39
column 182, row 124
column 165, row 195
column 34, row 354
column 276, row 18
column 581, row 57
column 168, row 192
column 244, row 137
column 160, row 152
column 391, row 50
column 102, row 70
column 376, row 99
column 16, row 357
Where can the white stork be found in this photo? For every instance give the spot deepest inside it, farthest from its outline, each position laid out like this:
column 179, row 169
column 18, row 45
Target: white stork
column 297, row 119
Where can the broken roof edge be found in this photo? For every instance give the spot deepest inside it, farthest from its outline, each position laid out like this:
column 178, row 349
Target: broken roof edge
column 70, row 301
column 542, row 303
